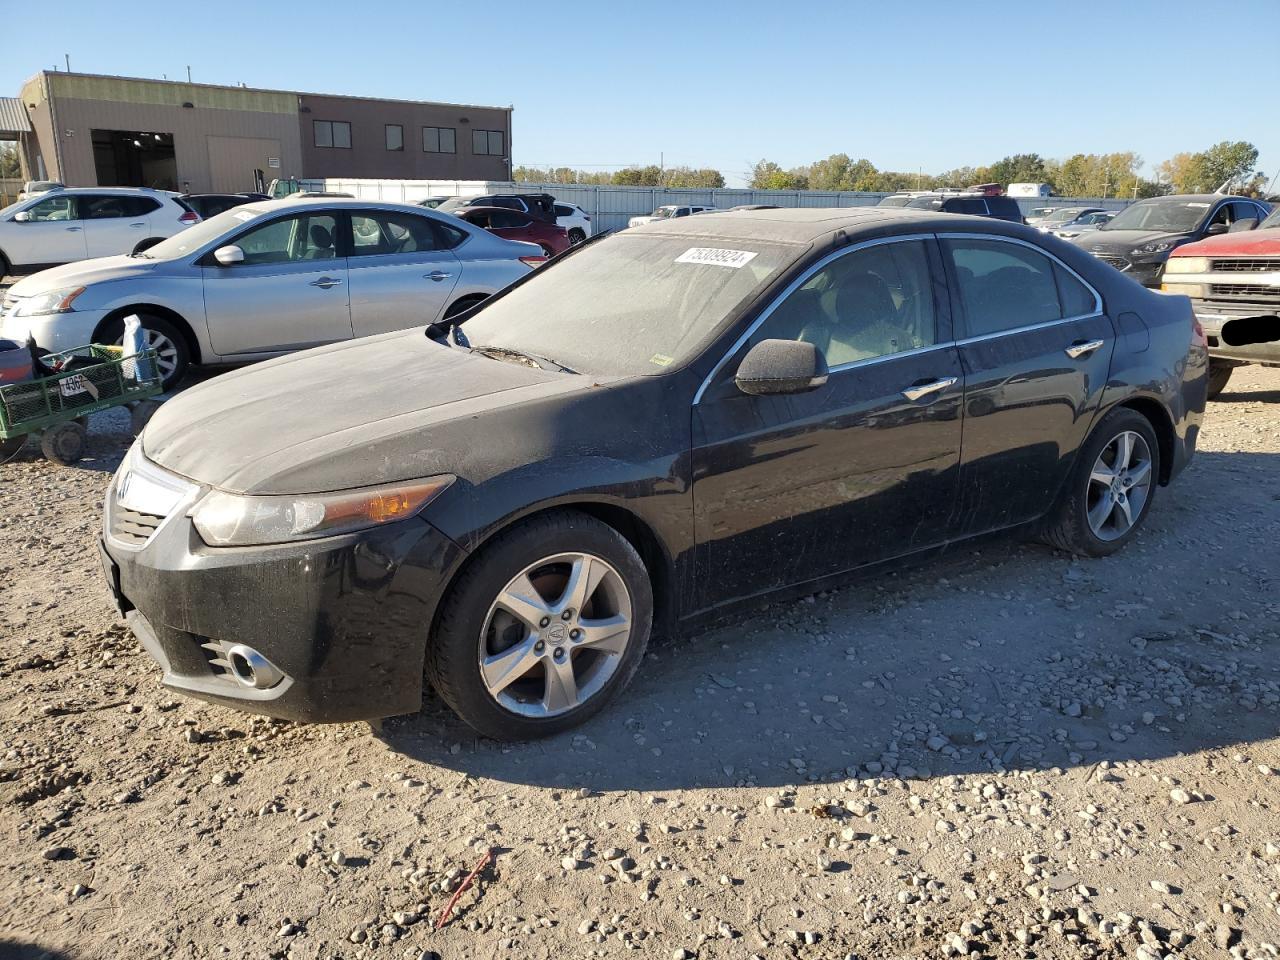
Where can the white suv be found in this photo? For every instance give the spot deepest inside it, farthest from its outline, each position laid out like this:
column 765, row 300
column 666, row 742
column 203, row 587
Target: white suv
column 575, row 220
column 78, row 223
column 669, row 212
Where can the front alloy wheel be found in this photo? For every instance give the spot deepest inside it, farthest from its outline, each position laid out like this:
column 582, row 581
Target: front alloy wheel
column 555, row 635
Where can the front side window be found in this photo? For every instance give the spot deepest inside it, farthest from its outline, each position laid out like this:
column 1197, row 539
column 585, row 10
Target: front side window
column 439, row 140
column 1004, row 286
column 53, row 208
column 487, row 143
column 290, row 240
column 395, row 136
column 869, row 303
column 375, row 234
column 332, row 133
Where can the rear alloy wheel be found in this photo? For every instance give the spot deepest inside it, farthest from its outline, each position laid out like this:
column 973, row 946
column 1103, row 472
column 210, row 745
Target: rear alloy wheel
column 1219, row 374
column 545, row 626
column 1111, row 488
column 576, row 236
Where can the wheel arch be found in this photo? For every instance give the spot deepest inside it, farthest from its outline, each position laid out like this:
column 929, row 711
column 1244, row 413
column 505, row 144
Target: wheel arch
column 179, row 322
column 634, row 529
column 1155, row 413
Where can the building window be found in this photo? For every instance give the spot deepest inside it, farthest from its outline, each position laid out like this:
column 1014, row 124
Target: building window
column 395, row 136
column 487, row 143
column 439, row 140
column 332, row 133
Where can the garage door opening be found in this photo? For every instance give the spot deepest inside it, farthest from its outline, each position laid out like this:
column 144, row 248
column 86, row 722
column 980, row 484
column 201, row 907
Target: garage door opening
column 135, row 158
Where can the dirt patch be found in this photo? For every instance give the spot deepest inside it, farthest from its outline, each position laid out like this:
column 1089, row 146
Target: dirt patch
column 1003, row 753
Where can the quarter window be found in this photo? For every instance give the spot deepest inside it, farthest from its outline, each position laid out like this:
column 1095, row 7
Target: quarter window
column 377, row 234
column 395, row 136
column 332, row 133
column 487, row 143
column 1004, row 286
column 439, row 140
column 870, row 303
column 290, row 240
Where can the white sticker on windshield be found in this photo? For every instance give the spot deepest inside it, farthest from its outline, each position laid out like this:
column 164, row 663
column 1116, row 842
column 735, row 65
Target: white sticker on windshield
column 716, row 257
column 244, row 215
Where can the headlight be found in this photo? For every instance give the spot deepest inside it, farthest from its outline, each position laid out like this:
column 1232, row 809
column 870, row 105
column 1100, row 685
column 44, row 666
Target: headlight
column 1187, row 265
column 55, row 301
column 1185, row 289
column 1158, row 246
column 229, row 520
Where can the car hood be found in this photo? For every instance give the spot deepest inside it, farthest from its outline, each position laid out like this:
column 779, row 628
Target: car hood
column 343, row 416
column 1125, row 239
column 1246, row 243
column 82, row 274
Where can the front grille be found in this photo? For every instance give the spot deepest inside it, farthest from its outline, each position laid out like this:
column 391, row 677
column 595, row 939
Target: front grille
column 1249, row 291
column 132, row 527
column 1120, row 263
column 1246, row 266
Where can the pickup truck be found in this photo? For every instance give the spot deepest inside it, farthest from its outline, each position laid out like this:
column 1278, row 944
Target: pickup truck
column 1230, row 277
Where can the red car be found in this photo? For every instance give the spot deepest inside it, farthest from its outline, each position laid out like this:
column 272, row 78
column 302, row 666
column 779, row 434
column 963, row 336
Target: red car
column 515, row 225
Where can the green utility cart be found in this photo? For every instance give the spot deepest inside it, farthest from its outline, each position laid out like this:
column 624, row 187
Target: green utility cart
column 93, row 377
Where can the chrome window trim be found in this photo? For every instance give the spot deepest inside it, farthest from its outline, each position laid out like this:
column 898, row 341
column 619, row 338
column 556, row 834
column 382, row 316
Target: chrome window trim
column 792, row 288
column 1097, row 298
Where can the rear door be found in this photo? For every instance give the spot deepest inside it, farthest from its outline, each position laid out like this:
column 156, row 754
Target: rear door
column 115, row 223
column 289, row 293
column 400, row 271
column 53, row 234
column 1036, row 349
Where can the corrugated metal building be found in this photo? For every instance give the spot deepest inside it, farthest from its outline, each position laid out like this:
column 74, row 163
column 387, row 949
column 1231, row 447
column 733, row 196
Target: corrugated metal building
column 89, row 130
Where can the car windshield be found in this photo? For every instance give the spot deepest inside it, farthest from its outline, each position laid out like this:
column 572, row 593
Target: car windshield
column 10, row 208
column 193, row 238
column 631, row 305
column 1063, row 215
column 1167, row 215
column 925, row 203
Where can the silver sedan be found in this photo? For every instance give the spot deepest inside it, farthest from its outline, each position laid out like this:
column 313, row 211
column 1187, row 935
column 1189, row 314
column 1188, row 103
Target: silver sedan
column 269, row 278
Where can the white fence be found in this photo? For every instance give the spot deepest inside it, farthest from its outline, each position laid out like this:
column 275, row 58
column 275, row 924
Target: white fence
column 611, row 206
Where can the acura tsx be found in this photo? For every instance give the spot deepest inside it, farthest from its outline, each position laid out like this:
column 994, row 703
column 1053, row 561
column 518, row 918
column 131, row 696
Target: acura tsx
column 658, row 427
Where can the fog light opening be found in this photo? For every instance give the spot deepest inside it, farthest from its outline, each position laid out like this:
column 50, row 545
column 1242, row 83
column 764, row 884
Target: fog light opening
column 241, row 667
column 252, row 669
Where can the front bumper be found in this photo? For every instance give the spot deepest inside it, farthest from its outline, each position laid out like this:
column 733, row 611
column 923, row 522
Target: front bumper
column 345, row 619
column 1213, row 314
column 54, row 332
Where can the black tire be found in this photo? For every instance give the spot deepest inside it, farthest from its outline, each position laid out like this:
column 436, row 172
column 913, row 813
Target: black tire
column 143, row 245
column 10, row 448
column 576, row 236
column 1068, row 527
column 4, row 266
column 462, row 305
column 453, row 652
column 1219, row 374
column 64, row 443
column 174, row 354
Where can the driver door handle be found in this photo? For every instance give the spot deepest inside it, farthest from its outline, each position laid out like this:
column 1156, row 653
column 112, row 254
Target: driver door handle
column 916, row 391
column 437, row 275
column 324, row 283
column 1082, row 348
column 74, row 229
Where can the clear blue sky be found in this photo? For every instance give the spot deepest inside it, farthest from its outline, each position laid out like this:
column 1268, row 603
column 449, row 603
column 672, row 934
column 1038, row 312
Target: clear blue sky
column 722, row 84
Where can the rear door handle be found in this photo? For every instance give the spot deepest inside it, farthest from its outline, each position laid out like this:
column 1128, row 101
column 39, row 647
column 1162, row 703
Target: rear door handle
column 1082, row 348
column 324, row 283
column 918, row 390
column 138, row 224
column 437, row 275
column 74, row 229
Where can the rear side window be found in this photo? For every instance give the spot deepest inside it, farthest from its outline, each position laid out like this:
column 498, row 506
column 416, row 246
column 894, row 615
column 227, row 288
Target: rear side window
column 508, row 220
column 563, row 211
column 1004, row 286
column 450, row 236
column 511, row 203
column 376, row 234
column 975, row 206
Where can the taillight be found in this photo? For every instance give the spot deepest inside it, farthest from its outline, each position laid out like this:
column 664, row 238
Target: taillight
column 189, row 217
column 533, row 262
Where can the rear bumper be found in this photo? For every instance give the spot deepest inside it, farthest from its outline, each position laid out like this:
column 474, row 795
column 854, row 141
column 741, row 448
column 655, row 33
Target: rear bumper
column 1213, row 314
column 344, row 620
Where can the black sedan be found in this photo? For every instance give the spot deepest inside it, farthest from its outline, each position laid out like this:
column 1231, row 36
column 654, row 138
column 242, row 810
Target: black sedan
column 1138, row 240
column 655, row 428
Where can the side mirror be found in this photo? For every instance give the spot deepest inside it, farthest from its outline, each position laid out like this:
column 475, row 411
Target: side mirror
column 1240, row 226
column 781, row 366
column 22, row 216
column 229, row 255
column 1214, row 229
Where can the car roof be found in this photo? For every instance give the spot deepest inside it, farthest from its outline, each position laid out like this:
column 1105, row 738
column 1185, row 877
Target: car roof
column 1195, row 197
column 806, row 224
column 126, row 191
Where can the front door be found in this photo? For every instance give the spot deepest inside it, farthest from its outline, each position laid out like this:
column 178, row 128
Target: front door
column 289, row 293
column 54, row 232
column 401, row 274
column 791, row 488
column 1036, row 348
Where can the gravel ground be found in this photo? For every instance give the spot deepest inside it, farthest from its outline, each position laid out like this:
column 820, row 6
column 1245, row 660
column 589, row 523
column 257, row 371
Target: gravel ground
column 1003, row 753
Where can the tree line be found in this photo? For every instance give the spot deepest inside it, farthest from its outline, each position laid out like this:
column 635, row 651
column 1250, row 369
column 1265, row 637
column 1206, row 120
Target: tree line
column 1080, row 175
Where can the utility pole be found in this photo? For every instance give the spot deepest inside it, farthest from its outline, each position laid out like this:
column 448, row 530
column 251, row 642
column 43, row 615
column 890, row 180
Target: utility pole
column 188, row 73
column 67, row 57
